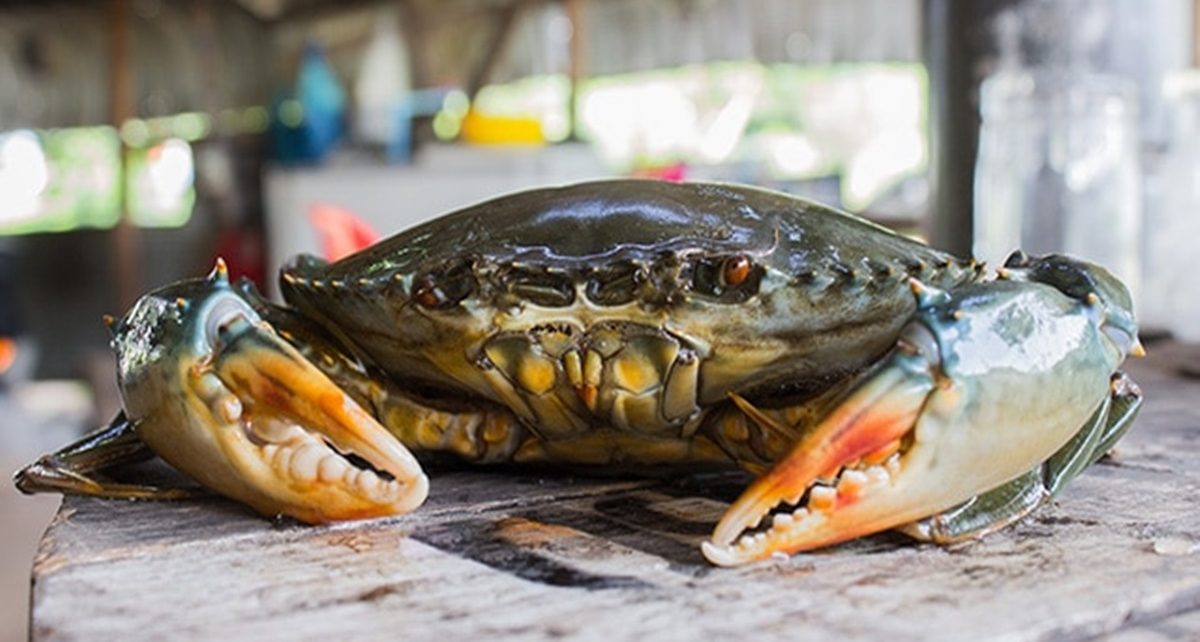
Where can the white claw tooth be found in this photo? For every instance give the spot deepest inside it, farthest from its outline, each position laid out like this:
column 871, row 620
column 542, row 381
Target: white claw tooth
column 268, row 452
column 295, row 433
column 209, row 386
column 721, row 555
column 822, row 498
column 367, row 482
column 893, row 464
column 388, row 488
column 852, row 481
column 304, row 463
column 229, row 408
column 782, row 521
column 282, row 457
column 278, row 431
column 760, row 539
column 745, row 542
column 878, row 475
column 332, row 468
column 800, row 514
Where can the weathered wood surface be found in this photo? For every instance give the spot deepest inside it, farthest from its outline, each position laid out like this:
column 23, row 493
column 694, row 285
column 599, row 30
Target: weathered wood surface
column 526, row 556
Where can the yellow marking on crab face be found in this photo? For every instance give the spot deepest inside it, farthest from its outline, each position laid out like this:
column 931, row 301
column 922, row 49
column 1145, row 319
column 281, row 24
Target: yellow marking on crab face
column 634, row 372
column 537, row 375
column 573, row 366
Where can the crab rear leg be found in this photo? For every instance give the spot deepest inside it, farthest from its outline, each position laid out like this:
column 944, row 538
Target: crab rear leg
column 78, row 468
column 1014, row 500
column 985, row 385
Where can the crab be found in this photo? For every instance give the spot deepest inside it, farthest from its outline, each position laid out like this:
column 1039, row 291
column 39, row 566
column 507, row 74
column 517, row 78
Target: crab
column 868, row 381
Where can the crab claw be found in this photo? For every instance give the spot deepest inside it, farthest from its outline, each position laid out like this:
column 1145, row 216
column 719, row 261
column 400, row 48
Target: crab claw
column 857, row 445
column 983, row 385
column 215, row 392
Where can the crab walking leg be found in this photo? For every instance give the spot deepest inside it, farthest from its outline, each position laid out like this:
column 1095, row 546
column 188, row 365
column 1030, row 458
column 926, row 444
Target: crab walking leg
column 77, row 467
column 984, row 385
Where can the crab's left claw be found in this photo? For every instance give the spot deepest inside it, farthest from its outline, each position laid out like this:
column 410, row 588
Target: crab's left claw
column 215, row 391
column 984, row 385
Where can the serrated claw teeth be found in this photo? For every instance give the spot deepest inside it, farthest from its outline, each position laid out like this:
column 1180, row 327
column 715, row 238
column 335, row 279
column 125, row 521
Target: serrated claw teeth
column 892, row 465
column 851, row 482
column 822, row 498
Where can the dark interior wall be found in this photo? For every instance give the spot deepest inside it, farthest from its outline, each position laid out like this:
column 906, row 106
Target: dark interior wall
column 55, row 72
column 68, row 283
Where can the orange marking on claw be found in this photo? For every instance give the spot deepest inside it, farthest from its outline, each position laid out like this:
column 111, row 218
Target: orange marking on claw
column 854, row 435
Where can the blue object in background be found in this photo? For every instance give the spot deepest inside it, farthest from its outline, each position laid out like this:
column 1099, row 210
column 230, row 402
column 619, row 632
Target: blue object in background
column 399, row 149
column 308, row 124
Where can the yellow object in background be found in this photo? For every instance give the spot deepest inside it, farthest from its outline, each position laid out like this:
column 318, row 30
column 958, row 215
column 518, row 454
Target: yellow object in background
column 484, row 129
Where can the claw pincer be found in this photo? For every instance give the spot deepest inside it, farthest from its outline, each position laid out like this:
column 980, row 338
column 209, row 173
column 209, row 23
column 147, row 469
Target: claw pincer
column 986, row 383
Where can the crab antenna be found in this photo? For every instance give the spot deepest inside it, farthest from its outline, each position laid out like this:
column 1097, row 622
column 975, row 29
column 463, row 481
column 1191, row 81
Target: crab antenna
column 220, row 272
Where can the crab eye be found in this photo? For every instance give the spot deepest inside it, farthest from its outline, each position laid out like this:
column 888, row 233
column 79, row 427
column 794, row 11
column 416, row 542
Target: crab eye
column 735, row 271
column 730, row 279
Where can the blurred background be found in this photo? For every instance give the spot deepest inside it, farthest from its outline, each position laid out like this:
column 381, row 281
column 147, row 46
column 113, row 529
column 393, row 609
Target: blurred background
column 141, row 139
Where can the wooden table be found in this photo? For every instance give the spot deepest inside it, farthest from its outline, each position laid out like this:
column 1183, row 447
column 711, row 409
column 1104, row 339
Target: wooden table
column 533, row 557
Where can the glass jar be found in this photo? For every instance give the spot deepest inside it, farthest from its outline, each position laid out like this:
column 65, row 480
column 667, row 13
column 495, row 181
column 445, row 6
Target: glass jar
column 1173, row 227
column 1058, row 169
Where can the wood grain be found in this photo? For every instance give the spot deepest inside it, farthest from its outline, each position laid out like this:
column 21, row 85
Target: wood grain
column 537, row 556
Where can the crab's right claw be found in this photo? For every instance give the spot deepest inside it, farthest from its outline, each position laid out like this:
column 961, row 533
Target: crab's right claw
column 859, row 446
column 983, row 387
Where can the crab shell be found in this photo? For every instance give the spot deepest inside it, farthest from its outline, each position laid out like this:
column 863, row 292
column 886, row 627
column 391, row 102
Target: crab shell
column 605, row 306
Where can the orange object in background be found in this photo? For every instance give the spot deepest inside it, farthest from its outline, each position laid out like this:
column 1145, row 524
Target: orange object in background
column 482, row 129
column 8, row 353
column 339, row 231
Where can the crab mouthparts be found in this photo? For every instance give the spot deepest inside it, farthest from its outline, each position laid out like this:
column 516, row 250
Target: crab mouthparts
column 856, row 452
column 305, row 448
